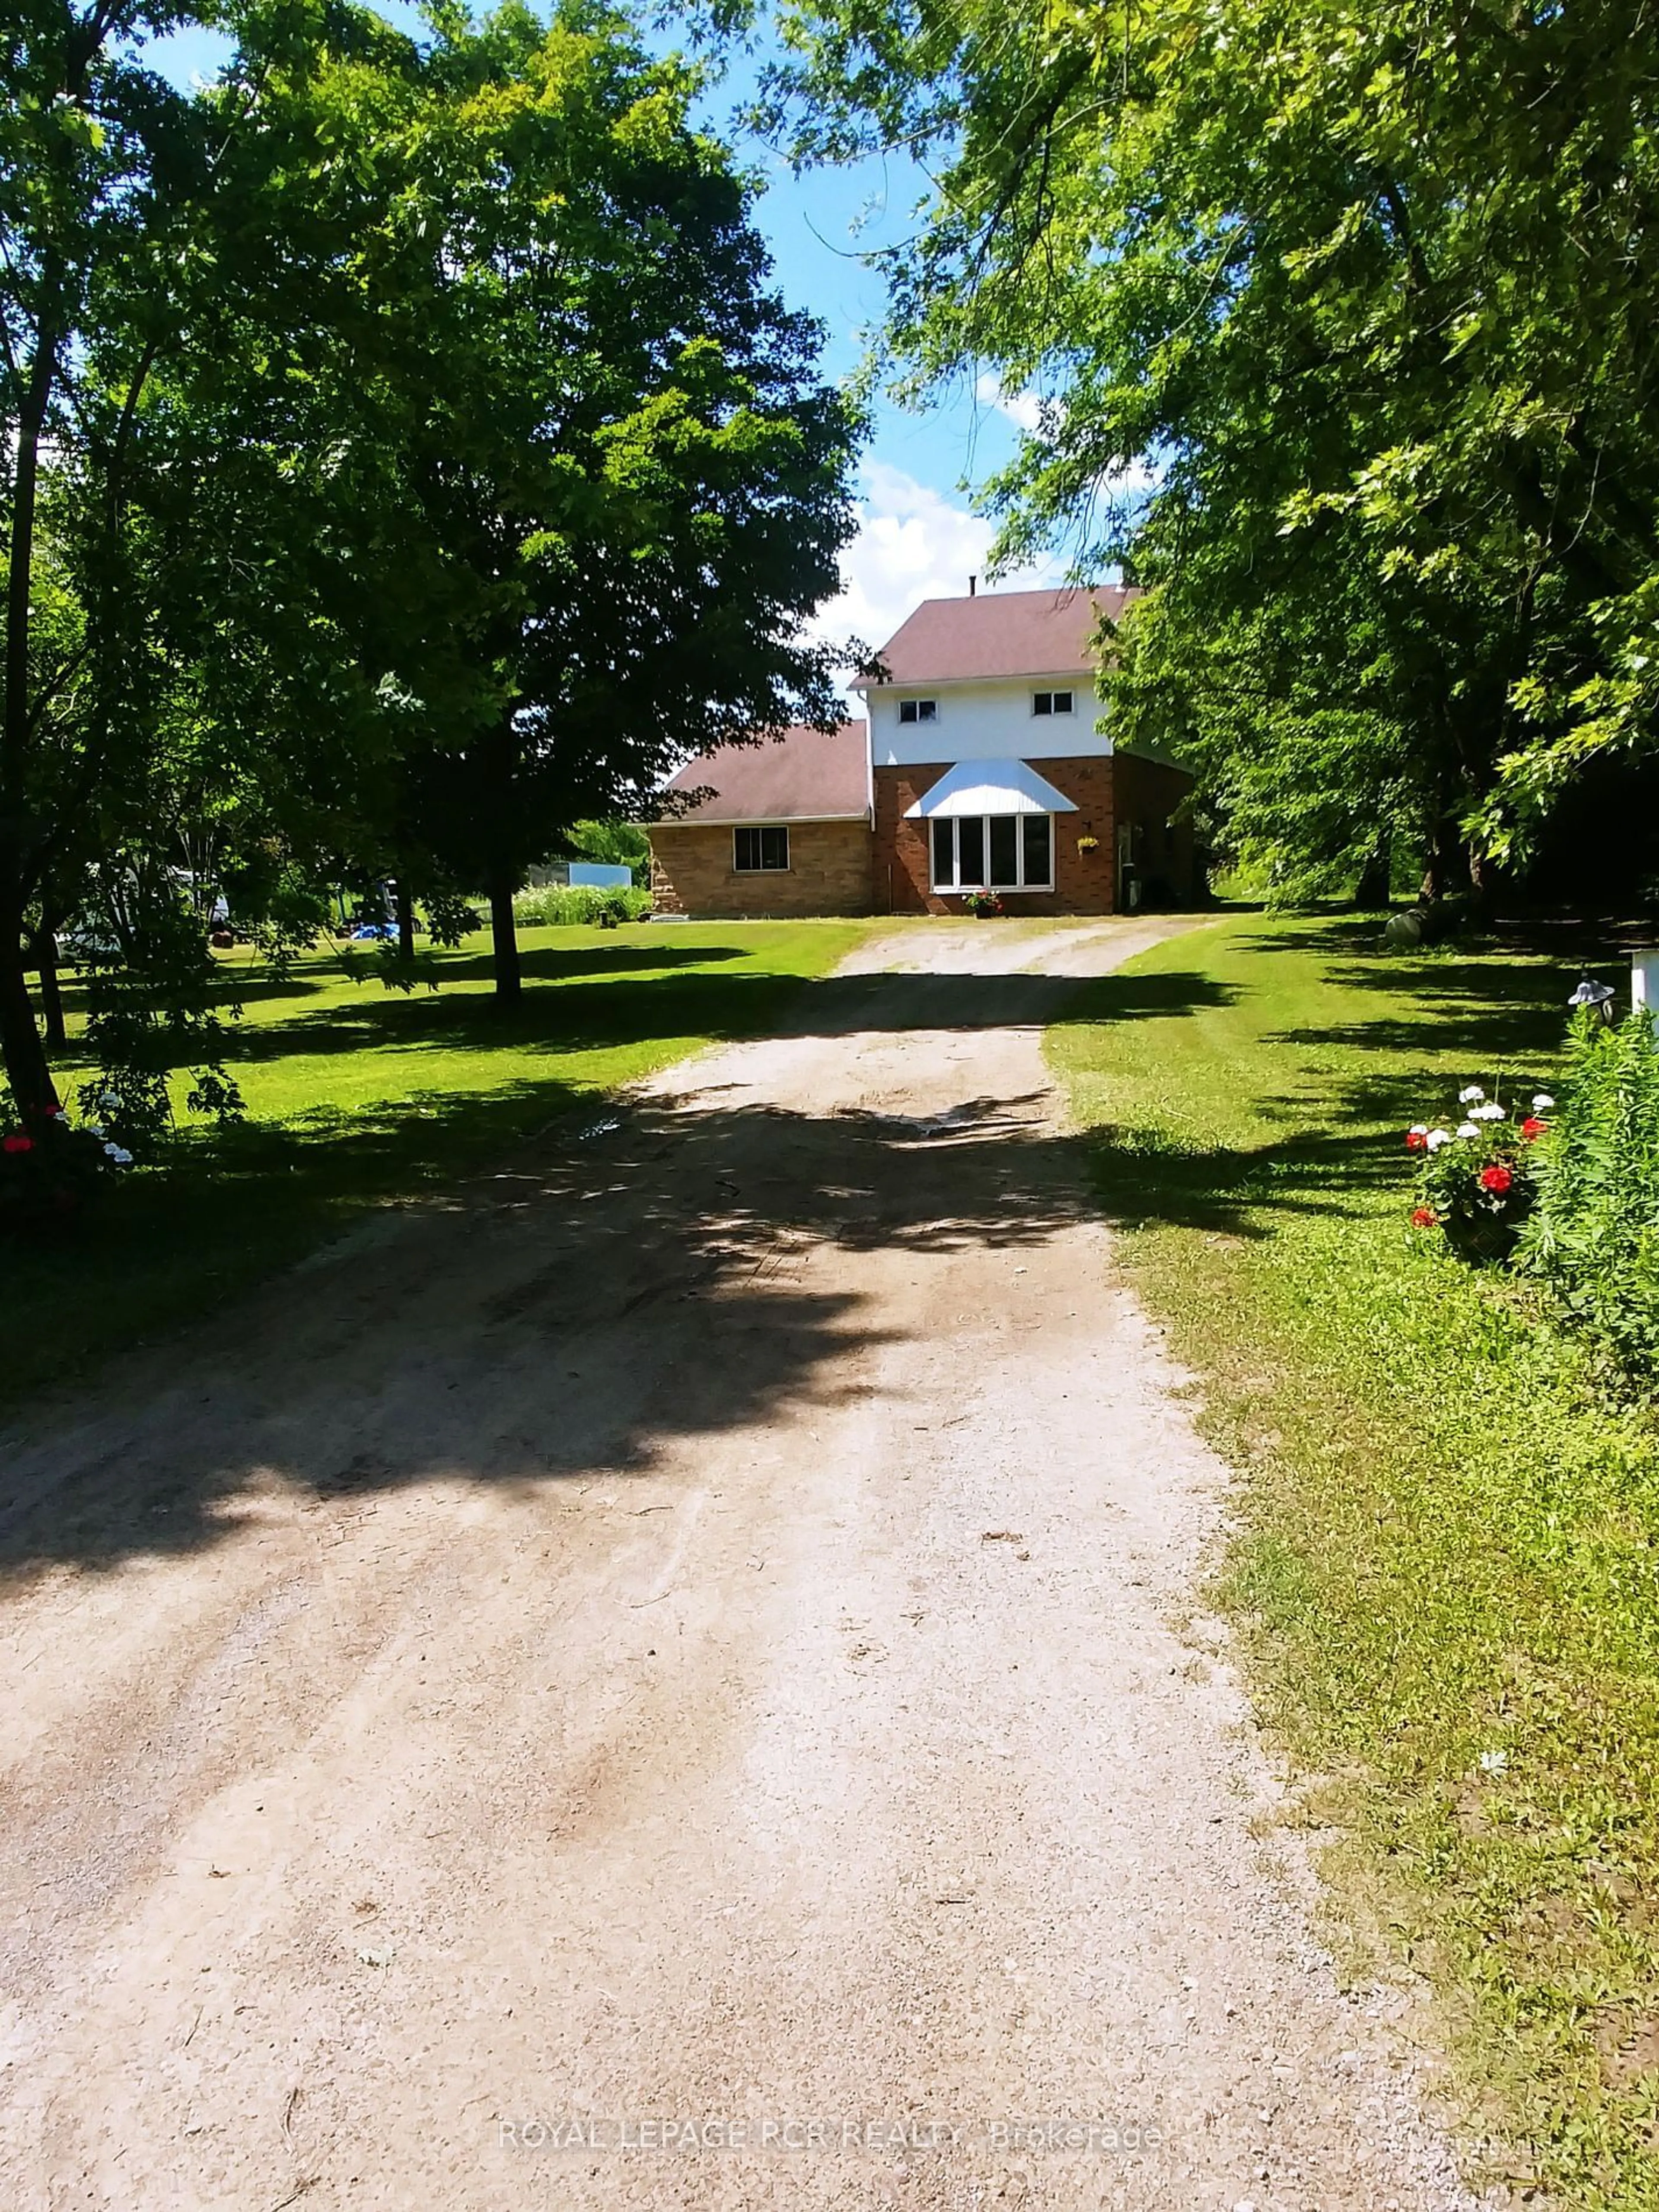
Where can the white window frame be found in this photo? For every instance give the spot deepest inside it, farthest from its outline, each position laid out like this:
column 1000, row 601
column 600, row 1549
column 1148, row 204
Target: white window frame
column 1048, row 703
column 760, row 830
column 913, row 711
column 956, row 887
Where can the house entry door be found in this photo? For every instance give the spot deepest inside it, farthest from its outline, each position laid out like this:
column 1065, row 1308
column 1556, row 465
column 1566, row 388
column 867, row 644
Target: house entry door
column 1128, row 875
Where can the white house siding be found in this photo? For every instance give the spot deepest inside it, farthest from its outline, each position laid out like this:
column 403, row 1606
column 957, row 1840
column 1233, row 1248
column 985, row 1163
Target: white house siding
column 985, row 722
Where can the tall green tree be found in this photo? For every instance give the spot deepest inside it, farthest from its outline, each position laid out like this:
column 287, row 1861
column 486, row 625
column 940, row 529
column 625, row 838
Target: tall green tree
column 631, row 479
column 1369, row 288
column 92, row 149
column 408, row 458
column 171, row 663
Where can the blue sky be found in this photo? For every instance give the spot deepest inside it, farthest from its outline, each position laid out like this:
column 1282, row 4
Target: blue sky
column 918, row 535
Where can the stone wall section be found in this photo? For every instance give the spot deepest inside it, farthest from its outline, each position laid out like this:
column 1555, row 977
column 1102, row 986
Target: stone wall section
column 692, row 872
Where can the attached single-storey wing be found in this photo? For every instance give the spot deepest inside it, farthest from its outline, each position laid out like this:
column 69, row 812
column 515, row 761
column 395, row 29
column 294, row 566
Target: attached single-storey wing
column 778, row 828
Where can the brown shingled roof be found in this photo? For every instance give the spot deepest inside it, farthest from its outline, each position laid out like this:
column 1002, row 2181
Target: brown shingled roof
column 801, row 776
column 995, row 634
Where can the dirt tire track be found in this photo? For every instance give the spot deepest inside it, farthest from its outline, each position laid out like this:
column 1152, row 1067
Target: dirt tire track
column 679, row 1632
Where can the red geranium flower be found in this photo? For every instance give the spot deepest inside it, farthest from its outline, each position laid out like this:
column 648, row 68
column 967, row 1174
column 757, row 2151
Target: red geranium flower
column 1496, row 1178
column 1532, row 1128
column 20, row 1144
column 1424, row 1216
column 1417, row 1140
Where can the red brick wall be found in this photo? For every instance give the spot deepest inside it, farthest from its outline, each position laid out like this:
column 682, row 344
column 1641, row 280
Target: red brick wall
column 1083, row 881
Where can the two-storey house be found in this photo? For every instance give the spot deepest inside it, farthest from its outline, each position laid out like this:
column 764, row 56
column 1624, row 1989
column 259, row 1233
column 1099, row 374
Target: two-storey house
column 983, row 766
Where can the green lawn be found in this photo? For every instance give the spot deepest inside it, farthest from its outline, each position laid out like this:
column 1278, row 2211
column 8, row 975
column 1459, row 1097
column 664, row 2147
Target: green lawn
column 1445, row 1567
column 358, row 1098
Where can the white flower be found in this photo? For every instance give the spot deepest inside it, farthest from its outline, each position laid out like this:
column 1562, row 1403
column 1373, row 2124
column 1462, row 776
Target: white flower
column 1419, row 1129
column 110, row 1100
column 1490, row 1113
column 1541, row 1102
column 1439, row 1137
column 1467, row 1097
column 1467, row 1129
column 1494, row 1762
column 96, row 1128
column 120, row 1155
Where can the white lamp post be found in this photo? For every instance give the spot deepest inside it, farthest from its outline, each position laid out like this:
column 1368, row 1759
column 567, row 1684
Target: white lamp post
column 1644, row 980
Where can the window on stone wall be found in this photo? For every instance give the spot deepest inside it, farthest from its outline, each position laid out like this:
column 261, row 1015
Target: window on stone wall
column 993, row 852
column 760, row 850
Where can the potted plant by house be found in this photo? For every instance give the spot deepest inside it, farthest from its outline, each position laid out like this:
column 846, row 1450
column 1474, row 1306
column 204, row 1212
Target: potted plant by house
column 983, row 905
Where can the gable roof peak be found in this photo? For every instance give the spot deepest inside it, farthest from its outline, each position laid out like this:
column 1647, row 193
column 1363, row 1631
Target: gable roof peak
column 985, row 636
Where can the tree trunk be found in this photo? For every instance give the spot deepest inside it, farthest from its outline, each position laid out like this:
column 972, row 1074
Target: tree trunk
column 52, row 996
column 32, row 1088
column 405, row 921
column 20, row 1047
column 1444, row 862
column 1376, row 877
column 508, row 978
column 20, row 576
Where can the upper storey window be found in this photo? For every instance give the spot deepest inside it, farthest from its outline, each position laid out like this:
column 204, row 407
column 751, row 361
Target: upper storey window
column 1051, row 702
column 918, row 710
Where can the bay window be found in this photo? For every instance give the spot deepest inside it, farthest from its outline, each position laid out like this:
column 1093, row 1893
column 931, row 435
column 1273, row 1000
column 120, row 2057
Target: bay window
column 993, row 852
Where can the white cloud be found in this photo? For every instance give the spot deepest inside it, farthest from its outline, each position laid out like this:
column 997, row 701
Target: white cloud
column 912, row 544
column 1024, row 409
column 1027, row 412
column 1133, row 481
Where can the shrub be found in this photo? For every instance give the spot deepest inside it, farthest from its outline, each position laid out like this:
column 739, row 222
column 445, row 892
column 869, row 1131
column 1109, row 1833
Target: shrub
column 1593, row 1235
column 156, row 1003
column 48, row 1171
column 982, row 903
column 560, row 906
column 1477, row 1181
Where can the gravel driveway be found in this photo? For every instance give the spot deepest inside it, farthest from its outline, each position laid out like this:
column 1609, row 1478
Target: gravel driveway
column 672, row 1679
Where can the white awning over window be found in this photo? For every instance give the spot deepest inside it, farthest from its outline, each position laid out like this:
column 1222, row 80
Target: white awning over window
column 990, row 787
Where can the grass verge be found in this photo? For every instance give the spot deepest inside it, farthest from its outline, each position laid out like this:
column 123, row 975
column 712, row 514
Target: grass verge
column 358, row 1098
column 1445, row 1561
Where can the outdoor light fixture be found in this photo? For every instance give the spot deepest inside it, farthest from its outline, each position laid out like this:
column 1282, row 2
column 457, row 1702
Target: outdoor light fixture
column 1596, row 996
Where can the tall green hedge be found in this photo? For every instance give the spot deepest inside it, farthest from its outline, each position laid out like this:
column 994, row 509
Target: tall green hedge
column 1593, row 1235
column 561, row 905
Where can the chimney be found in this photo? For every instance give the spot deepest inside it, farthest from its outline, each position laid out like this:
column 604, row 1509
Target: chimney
column 973, row 585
